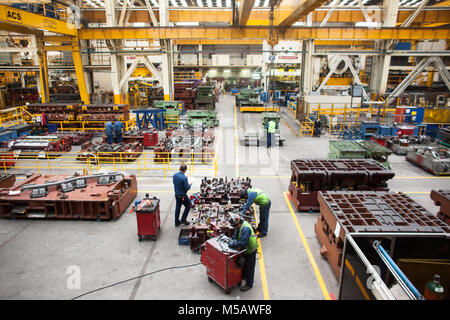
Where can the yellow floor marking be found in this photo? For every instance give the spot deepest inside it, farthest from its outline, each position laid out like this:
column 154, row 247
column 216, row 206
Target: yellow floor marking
column 420, row 177
column 290, row 127
column 261, row 265
column 308, row 251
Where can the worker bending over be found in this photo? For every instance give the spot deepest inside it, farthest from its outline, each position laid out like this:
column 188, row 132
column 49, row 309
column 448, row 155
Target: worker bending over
column 109, row 132
column 244, row 238
column 262, row 199
column 181, row 186
column 118, row 129
column 270, row 126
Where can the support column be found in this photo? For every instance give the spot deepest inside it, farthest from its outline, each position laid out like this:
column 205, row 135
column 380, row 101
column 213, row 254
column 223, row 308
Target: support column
column 81, row 80
column 167, row 58
column 116, row 61
column 43, row 72
column 200, row 55
column 381, row 63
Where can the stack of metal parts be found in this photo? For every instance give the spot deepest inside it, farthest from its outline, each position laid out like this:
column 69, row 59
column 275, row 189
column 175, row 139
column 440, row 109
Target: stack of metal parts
column 346, row 149
column 205, row 98
column 344, row 212
column 441, row 198
column 103, row 152
column 248, row 98
column 21, row 96
column 203, row 117
column 186, row 142
column 218, row 198
column 77, row 197
column 184, row 91
column 400, row 144
column 74, row 114
column 435, row 160
column 38, row 146
column 311, row 176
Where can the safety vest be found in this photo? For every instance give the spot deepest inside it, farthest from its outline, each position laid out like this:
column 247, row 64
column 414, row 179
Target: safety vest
column 251, row 244
column 271, row 127
column 262, row 199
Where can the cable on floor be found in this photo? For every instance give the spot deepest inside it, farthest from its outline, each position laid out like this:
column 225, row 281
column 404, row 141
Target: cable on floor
column 144, row 275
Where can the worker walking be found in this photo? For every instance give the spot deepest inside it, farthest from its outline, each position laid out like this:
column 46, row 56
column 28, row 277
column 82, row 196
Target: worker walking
column 118, row 129
column 109, row 132
column 244, row 238
column 262, row 199
column 270, row 126
column 181, row 186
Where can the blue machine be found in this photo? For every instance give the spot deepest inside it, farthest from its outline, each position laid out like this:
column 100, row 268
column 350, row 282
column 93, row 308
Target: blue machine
column 151, row 116
column 262, row 96
column 368, row 129
column 414, row 115
column 234, row 90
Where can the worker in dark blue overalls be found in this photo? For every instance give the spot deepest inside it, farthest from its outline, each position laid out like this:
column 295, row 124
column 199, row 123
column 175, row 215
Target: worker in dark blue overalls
column 109, row 132
column 118, row 129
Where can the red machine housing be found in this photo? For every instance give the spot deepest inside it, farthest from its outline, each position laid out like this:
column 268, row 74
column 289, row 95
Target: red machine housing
column 148, row 218
column 220, row 262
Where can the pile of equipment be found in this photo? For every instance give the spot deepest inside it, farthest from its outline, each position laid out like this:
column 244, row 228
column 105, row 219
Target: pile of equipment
column 117, row 152
column 435, row 160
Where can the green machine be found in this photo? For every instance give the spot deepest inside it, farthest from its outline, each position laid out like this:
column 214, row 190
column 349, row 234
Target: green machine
column 346, row 149
column 376, row 151
column 248, row 97
column 174, row 109
column 208, row 118
column 360, row 149
column 205, row 98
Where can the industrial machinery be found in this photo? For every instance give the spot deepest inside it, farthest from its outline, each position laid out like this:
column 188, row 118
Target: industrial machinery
column 311, row 176
column 205, row 98
column 185, row 91
column 385, row 214
column 74, row 138
column 77, row 197
column 435, row 160
column 376, row 151
column 147, row 217
column 173, row 110
column 400, row 144
column 50, row 146
column 218, row 198
column 346, row 149
column 444, row 134
column 204, row 117
column 222, row 262
column 186, row 142
column 119, row 152
column 441, row 198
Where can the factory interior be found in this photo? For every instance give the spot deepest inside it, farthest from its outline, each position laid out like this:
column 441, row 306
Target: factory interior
column 227, row 151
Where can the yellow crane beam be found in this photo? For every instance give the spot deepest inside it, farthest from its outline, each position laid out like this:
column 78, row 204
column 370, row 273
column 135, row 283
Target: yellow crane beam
column 261, row 17
column 24, row 19
column 317, row 33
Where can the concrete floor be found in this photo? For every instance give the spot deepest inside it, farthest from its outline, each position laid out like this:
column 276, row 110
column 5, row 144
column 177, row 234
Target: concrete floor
column 37, row 257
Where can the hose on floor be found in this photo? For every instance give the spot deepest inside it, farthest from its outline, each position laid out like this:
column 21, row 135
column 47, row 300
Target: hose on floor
column 134, row 278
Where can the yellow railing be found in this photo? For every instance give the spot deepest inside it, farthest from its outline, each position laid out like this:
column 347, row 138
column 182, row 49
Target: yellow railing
column 139, row 163
column 292, row 108
column 11, row 117
column 307, row 127
column 171, row 119
column 45, row 8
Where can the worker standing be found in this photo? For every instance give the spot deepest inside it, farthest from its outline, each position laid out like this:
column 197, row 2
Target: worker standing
column 270, row 126
column 262, row 199
column 109, row 132
column 118, row 129
column 181, row 186
column 244, row 238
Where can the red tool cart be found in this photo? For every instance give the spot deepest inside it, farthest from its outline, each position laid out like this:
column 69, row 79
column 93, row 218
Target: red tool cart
column 147, row 217
column 221, row 262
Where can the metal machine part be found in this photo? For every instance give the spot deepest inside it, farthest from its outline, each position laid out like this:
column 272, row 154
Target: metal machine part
column 441, row 198
column 435, row 160
column 74, row 197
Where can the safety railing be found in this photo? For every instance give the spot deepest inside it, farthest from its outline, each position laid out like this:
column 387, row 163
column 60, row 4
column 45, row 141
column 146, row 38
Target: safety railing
column 159, row 164
column 307, row 127
column 292, row 109
column 171, row 119
column 11, row 117
column 45, row 8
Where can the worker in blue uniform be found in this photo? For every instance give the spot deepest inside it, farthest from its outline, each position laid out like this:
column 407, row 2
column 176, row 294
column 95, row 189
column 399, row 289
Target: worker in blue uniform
column 118, row 129
column 109, row 132
column 181, row 186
